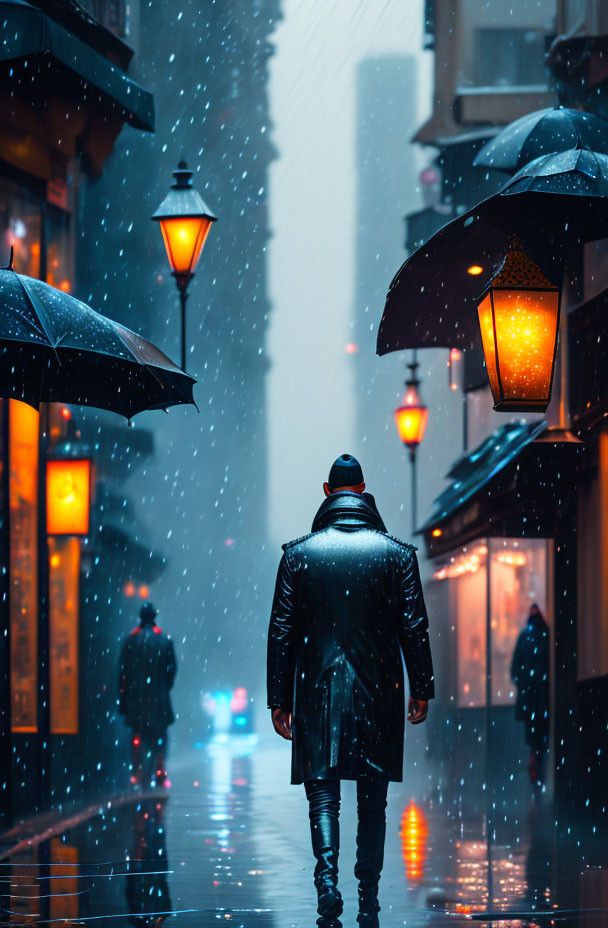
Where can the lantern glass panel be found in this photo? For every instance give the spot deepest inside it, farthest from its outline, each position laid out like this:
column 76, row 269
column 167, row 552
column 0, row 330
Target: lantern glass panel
column 411, row 423
column 68, row 495
column 184, row 238
column 519, row 331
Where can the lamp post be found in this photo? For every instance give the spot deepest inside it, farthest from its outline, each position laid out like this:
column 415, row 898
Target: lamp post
column 411, row 418
column 185, row 221
column 519, row 322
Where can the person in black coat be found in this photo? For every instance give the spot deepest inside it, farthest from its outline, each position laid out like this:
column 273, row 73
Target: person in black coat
column 147, row 669
column 348, row 605
column 530, row 673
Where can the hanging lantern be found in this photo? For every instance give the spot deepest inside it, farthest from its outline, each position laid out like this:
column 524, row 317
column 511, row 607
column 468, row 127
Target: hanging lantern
column 519, row 320
column 411, row 417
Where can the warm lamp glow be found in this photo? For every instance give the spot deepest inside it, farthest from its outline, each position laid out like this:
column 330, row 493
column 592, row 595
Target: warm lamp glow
column 475, row 270
column 413, row 834
column 519, row 318
column 185, row 220
column 411, row 418
column 68, row 496
column 184, row 238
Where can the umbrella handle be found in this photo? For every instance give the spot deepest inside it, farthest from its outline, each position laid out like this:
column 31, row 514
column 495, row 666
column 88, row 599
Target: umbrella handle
column 9, row 266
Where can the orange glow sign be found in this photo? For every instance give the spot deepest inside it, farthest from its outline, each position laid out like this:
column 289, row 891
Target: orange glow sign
column 23, row 504
column 64, row 575
column 68, row 496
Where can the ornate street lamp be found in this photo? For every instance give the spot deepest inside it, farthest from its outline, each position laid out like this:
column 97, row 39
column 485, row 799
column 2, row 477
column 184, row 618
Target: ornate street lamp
column 519, row 322
column 411, row 418
column 185, row 221
column 69, row 482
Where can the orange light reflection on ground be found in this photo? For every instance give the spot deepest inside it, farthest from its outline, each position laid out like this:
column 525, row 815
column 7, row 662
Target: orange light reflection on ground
column 413, row 834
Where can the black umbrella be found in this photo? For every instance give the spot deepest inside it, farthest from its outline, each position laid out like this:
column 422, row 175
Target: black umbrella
column 552, row 130
column 551, row 206
column 56, row 349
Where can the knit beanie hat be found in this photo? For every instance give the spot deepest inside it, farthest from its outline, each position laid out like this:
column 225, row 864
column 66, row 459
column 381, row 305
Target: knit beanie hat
column 345, row 472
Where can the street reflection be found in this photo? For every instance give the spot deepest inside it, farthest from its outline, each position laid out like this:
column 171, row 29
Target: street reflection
column 147, row 888
column 221, row 848
column 413, row 834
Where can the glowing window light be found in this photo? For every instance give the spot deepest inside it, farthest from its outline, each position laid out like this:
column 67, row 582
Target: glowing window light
column 513, row 558
column 519, row 320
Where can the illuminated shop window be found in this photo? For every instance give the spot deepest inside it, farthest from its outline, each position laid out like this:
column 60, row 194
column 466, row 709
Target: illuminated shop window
column 518, row 577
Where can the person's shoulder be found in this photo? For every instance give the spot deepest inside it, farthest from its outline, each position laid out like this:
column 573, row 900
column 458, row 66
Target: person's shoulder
column 289, row 545
column 398, row 542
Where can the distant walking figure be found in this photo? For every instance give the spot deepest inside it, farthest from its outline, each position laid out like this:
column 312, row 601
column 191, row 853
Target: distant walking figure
column 348, row 605
column 146, row 673
column 530, row 673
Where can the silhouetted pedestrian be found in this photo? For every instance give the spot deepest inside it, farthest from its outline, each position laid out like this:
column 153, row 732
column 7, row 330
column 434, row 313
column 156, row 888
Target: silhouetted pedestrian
column 348, row 603
column 146, row 673
column 530, row 673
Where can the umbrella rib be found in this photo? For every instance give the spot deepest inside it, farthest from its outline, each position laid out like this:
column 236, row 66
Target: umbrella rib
column 40, row 313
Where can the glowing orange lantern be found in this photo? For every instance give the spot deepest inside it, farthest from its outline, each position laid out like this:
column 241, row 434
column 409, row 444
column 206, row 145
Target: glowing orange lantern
column 519, row 321
column 68, row 496
column 411, row 417
column 185, row 220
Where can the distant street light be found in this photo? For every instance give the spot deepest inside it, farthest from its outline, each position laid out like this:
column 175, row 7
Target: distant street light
column 411, row 418
column 185, row 221
column 519, row 321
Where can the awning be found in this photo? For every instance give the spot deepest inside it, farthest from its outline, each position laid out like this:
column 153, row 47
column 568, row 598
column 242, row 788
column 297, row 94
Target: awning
column 506, row 486
column 26, row 32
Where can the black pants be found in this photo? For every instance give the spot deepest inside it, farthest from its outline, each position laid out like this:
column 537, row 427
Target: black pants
column 324, row 811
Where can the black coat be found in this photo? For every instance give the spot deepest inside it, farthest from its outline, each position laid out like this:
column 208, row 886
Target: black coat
column 348, row 603
column 530, row 673
column 146, row 673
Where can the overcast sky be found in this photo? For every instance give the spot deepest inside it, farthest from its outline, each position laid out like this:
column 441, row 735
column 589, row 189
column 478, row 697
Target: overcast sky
column 312, row 196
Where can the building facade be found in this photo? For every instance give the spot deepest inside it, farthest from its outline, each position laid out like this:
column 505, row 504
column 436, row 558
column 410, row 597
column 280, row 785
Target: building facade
column 66, row 97
column 521, row 518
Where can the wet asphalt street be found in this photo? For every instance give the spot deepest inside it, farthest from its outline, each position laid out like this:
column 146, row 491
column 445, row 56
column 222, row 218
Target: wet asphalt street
column 229, row 842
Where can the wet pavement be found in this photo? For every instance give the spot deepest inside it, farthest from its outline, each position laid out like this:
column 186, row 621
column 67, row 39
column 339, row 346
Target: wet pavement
column 229, row 842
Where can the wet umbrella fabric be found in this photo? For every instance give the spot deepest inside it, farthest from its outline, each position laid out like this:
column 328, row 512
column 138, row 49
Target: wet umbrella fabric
column 555, row 203
column 54, row 348
column 556, row 129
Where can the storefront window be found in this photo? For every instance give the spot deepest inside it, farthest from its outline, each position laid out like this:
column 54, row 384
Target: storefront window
column 20, row 227
column 518, row 577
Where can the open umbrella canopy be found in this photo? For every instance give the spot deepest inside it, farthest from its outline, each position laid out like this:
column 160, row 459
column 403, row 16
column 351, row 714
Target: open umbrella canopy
column 551, row 206
column 54, row 348
column 555, row 129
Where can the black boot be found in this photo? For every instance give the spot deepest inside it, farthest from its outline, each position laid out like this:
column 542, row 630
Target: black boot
column 324, row 811
column 371, row 831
